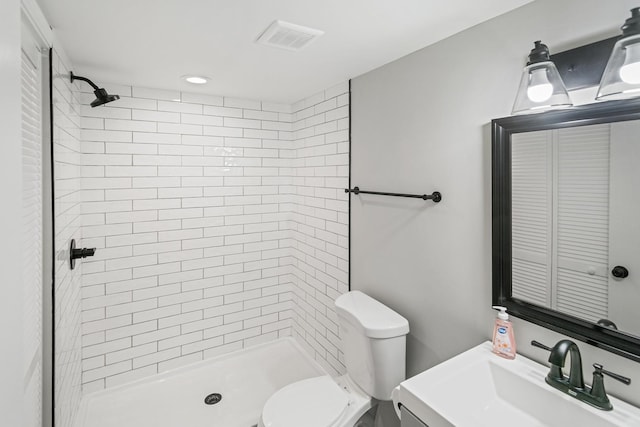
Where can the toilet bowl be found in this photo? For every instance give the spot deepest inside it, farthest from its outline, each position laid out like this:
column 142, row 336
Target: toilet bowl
column 374, row 345
column 316, row 402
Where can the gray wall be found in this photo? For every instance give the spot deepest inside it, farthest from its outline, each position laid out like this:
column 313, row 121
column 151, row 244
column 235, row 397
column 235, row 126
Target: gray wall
column 421, row 124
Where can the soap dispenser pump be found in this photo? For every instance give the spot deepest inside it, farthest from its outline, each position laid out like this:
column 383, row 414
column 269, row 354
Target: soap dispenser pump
column 504, row 342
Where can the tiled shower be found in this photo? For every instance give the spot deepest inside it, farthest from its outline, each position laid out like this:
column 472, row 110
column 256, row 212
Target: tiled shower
column 219, row 223
column 67, row 225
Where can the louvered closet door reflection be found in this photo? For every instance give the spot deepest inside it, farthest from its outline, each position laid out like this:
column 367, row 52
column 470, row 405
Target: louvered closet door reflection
column 32, row 244
column 582, row 221
column 624, row 225
column 531, row 160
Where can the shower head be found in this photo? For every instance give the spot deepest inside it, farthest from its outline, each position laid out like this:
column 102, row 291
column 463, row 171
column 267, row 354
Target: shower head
column 102, row 97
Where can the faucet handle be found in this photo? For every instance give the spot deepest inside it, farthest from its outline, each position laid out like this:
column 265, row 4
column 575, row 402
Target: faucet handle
column 598, row 369
column 598, row 392
column 540, row 345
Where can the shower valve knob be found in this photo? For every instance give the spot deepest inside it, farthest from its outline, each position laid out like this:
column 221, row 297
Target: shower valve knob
column 75, row 254
column 83, row 253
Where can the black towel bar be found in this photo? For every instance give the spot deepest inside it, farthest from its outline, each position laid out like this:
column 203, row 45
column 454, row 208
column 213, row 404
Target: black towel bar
column 435, row 196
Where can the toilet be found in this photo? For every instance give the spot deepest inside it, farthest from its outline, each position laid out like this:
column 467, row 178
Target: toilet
column 374, row 345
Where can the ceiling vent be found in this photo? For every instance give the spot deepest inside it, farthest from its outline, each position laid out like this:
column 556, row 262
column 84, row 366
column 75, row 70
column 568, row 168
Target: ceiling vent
column 285, row 35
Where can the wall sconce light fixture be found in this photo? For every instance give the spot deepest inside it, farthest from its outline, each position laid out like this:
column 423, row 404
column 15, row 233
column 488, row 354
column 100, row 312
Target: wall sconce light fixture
column 546, row 78
column 621, row 78
column 541, row 87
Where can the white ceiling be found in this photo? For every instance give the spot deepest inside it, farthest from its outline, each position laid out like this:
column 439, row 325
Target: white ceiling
column 153, row 42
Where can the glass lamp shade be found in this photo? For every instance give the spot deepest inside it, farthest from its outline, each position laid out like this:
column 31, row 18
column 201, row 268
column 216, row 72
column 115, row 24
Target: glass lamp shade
column 541, row 89
column 621, row 77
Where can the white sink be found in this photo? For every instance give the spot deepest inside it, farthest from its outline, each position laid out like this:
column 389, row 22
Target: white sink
column 478, row 388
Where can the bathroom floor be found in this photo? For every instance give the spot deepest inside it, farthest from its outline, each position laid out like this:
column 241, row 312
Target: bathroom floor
column 245, row 379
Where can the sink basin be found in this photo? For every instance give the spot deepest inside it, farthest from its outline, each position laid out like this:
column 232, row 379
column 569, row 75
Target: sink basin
column 478, row 388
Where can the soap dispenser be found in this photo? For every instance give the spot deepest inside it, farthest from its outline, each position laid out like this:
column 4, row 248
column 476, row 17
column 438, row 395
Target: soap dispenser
column 504, row 342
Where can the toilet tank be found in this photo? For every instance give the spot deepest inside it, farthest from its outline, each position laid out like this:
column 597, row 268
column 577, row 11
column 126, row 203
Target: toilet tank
column 373, row 342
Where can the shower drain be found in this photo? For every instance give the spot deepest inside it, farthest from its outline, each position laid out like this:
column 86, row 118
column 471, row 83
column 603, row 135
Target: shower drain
column 213, row 398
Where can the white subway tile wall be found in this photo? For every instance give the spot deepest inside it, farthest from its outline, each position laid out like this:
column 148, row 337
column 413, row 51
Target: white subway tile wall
column 219, row 223
column 68, row 224
column 320, row 238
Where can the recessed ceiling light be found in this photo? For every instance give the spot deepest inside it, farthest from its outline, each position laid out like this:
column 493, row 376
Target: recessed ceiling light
column 196, row 80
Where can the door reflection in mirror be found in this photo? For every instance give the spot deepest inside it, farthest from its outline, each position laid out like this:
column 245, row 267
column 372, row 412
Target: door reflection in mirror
column 575, row 218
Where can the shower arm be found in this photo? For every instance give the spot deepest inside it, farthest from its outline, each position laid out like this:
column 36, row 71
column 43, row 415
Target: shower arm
column 84, row 79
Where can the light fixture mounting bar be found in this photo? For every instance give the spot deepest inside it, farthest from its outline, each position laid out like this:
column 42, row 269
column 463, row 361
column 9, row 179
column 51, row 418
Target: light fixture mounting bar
column 583, row 66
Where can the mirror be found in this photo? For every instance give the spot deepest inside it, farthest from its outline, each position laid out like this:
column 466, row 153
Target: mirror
column 566, row 221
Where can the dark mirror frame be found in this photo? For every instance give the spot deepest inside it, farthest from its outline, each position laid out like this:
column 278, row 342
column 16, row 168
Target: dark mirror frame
column 618, row 342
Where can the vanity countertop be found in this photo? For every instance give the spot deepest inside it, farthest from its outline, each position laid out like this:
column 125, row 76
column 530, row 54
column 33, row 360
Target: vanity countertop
column 477, row 388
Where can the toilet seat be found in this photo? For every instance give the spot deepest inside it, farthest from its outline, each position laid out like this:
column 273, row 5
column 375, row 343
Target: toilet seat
column 314, row 402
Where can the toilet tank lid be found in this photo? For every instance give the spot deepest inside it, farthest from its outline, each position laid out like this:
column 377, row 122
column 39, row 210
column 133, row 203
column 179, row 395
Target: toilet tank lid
column 376, row 319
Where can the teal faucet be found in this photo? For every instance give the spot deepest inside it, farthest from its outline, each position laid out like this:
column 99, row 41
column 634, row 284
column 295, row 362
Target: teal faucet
column 573, row 385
